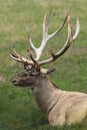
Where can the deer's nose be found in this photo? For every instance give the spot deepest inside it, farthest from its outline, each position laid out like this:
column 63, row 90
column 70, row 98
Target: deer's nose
column 13, row 81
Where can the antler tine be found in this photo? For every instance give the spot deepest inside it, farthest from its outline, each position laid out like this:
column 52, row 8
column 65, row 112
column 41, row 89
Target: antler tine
column 67, row 44
column 46, row 26
column 32, row 58
column 77, row 30
column 20, row 58
column 31, row 44
column 59, row 29
column 46, row 23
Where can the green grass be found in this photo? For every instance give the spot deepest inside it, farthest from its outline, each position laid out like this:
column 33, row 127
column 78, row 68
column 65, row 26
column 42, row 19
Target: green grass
column 18, row 110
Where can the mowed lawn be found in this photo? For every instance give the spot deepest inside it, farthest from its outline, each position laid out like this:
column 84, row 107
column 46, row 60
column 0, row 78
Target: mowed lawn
column 18, row 109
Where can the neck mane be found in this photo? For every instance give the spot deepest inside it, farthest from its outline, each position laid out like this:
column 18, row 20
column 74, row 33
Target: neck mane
column 46, row 94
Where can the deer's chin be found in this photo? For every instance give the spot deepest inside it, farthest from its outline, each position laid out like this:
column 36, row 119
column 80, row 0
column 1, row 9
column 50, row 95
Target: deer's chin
column 18, row 84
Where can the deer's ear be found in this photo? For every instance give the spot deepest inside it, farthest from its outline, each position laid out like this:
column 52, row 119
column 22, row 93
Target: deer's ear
column 49, row 71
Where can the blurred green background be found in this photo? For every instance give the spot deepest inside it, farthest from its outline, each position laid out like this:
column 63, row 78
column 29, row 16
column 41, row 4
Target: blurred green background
column 18, row 109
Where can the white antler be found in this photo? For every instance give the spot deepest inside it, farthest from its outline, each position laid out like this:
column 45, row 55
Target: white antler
column 77, row 30
column 70, row 39
column 45, row 37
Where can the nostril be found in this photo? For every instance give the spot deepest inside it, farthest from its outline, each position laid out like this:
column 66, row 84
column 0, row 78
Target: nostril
column 13, row 81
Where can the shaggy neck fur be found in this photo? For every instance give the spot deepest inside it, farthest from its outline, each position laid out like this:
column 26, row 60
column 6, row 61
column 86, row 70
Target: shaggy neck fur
column 46, row 94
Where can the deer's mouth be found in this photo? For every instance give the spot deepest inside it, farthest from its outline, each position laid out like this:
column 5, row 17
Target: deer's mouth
column 16, row 83
column 22, row 84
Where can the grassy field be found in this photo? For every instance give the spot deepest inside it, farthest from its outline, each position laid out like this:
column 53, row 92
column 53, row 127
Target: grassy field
column 18, row 110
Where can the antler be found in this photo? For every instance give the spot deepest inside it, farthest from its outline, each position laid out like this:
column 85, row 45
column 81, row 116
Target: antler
column 68, row 42
column 20, row 58
column 45, row 37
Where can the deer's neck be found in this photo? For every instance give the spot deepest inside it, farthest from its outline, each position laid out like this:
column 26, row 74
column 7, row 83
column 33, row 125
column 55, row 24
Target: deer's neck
column 46, row 95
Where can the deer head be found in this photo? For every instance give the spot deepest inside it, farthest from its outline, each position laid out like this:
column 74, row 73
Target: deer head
column 32, row 67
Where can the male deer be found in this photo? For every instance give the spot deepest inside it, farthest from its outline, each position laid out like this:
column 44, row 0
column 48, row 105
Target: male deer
column 61, row 107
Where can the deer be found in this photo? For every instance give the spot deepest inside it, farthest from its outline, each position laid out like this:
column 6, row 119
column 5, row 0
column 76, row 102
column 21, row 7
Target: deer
column 61, row 107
